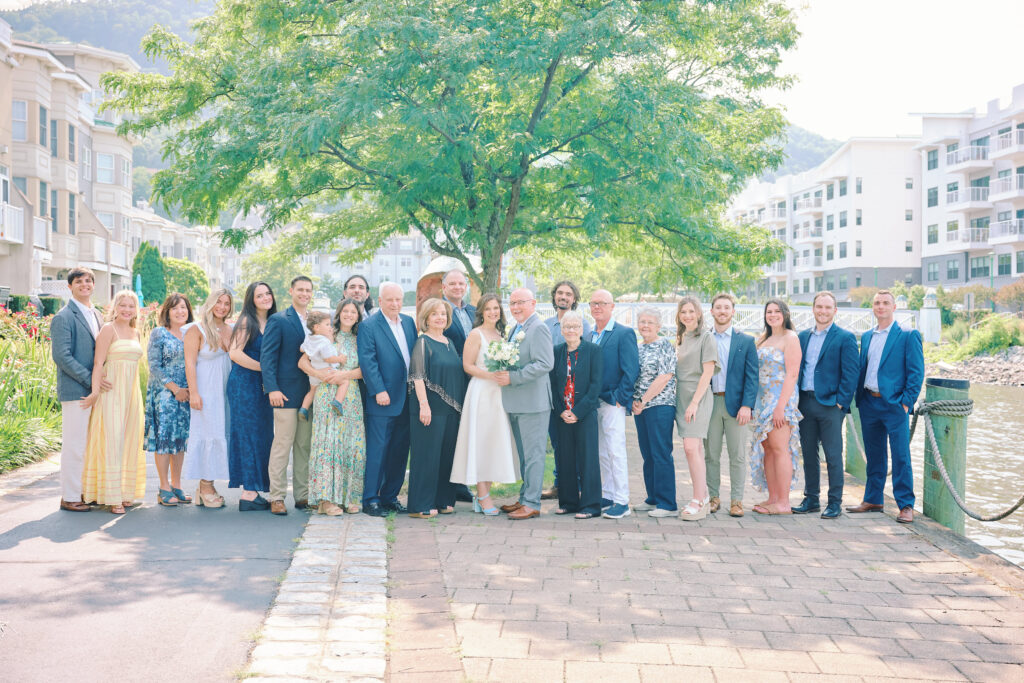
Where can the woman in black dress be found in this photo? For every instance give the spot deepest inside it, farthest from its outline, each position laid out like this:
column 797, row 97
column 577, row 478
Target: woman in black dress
column 437, row 388
column 575, row 385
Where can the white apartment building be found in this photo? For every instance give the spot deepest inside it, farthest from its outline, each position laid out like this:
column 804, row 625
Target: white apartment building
column 198, row 244
column 972, row 201
column 852, row 221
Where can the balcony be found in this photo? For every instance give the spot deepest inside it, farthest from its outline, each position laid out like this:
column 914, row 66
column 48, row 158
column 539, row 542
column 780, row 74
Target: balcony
column 1009, row 146
column 969, row 238
column 807, row 235
column 40, row 230
column 812, row 263
column 12, row 224
column 970, row 158
column 774, row 215
column 118, row 255
column 1008, row 188
column 968, row 199
column 809, row 205
column 1005, row 232
column 93, row 248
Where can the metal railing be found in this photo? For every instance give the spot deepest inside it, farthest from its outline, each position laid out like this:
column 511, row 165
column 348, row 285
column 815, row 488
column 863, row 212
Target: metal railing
column 1010, row 138
column 12, row 223
column 809, row 203
column 807, row 234
column 970, row 194
column 974, row 235
column 1010, row 183
column 808, row 262
column 1011, row 228
column 965, row 154
column 775, row 214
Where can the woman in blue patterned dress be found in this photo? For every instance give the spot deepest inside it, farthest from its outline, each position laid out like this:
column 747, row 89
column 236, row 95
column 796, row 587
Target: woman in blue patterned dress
column 337, row 455
column 167, row 406
column 251, row 418
column 776, row 419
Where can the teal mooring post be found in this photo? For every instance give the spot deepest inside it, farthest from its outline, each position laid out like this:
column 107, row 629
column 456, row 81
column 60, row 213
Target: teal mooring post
column 856, row 465
column 951, row 438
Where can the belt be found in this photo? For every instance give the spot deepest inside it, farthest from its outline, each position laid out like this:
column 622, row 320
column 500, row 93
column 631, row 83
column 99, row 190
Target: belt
column 807, row 392
column 718, row 393
column 874, row 393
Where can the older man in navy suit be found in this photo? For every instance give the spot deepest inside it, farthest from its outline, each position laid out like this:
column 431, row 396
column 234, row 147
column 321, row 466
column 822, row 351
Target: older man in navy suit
column 385, row 344
column 828, row 378
column 621, row 360
column 891, row 374
column 286, row 385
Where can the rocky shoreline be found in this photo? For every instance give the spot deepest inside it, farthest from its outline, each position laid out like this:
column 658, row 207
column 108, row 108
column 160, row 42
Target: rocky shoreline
column 1005, row 368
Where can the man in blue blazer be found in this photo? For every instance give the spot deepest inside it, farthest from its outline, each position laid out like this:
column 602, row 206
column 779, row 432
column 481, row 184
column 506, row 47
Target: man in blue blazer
column 385, row 342
column 453, row 290
column 286, row 385
column 73, row 342
column 735, row 391
column 621, row 360
column 828, row 378
column 891, row 374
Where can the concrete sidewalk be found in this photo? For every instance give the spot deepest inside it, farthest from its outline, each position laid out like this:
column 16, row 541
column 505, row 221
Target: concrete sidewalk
column 750, row 599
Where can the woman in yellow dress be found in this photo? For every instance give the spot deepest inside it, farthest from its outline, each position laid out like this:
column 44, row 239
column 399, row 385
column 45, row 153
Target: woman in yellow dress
column 115, row 464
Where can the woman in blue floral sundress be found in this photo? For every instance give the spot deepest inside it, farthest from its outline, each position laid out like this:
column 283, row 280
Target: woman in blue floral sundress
column 776, row 419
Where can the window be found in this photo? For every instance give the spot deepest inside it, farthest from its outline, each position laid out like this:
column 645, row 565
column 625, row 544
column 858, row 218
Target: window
column 126, row 225
column 53, row 137
column 908, row 215
column 842, row 219
column 87, row 163
column 842, row 187
column 830, row 283
column 829, row 252
column 908, row 183
column 126, row 172
column 857, row 248
column 980, row 267
column 405, row 244
column 829, row 222
column 5, row 185
column 830, row 191
column 860, row 188
column 952, row 269
column 807, row 280
column 933, row 196
column 842, row 250
column 951, row 230
column 933, row 272
column 43, row 127
column 909, row 246
column 405, row 262
column 952, row 187
column 842, row 281
column 933, row 234
column 19, row 120
column 43, row 208
column 53, row 210
column 1003, row 264
column 71, row 214
column 71, row 142
column 1020, row 261
column 105, row 168
column 107, row 219
column 952, row 148
column 933, row 159
column 860, row 217
column 782, row 288
column 819, row 283
column 21, row 184
column 856, row 280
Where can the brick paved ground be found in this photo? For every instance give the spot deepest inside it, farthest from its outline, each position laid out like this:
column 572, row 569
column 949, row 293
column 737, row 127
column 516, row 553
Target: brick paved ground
column 751, row 599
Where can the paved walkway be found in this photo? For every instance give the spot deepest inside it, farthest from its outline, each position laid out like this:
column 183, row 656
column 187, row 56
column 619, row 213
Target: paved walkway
column 750, row 599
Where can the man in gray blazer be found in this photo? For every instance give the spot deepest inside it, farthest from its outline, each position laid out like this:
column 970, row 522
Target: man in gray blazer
column 526, row 396
column 73, row 334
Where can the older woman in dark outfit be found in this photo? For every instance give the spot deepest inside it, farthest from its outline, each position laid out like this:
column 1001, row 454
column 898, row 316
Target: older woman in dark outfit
column 575, row 384
column 437, row 389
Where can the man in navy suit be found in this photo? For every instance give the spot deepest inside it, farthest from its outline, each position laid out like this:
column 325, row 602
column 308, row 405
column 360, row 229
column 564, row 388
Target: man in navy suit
column 385, row 344
column 453, row 290
column 286, row 385
column 891, row 373
column 828, row 378
column 735, row 391
column 621, row 359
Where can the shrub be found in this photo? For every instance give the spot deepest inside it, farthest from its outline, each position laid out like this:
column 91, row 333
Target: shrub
column 26, row 439
column 957, row 332
column 1012, row 295
column 51, row 304
column 150, row 266
column 19, row 303
column 187, row 278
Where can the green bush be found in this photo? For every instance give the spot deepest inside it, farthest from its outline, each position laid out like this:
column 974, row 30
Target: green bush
column 26, row 439
column 51, row 304
column 187, row 278
column 29, row 411
column 150, row 266
column 957, row 332
column 18, row 303
column 992, row 336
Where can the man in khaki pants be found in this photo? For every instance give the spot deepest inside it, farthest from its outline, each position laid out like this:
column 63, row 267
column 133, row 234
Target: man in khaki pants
column 735, row 390
column 286, row 385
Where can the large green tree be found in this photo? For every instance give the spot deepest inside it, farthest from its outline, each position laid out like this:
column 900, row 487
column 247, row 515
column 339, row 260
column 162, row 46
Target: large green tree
column 150, row 266
column 187, row 278
column 489, row 125
column 276, row 267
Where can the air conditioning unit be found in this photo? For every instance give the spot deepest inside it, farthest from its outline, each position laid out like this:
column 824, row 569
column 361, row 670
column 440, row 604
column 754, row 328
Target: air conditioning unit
column 4, row 149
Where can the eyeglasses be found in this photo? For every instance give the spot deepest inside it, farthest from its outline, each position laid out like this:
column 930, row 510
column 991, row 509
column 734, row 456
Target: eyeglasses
column 520, row 303
column 600, row 303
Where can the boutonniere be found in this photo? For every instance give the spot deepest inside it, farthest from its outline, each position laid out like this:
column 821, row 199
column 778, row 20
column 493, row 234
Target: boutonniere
column 520, row 336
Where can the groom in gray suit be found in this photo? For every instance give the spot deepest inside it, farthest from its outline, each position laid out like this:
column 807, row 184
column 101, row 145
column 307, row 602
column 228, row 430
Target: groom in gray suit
column 526, row 396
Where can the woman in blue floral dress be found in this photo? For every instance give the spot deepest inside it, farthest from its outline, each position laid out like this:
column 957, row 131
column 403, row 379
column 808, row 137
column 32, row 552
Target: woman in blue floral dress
column 776, row 419
column 167, row 406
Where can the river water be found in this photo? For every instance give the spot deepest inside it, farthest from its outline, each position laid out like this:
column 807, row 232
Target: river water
column 995, row 467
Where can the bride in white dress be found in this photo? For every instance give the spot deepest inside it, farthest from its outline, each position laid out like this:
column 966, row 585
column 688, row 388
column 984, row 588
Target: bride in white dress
column 485, row 451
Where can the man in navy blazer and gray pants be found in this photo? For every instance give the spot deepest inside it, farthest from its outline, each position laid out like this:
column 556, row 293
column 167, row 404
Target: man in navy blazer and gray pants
column 828, row 378
column 385, row 342
column 73, row 338
column 286, row 385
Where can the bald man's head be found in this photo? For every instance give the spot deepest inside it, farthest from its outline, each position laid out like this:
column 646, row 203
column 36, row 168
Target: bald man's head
column 601, row 306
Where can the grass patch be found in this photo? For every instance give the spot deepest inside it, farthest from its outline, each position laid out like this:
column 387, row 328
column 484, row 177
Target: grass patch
column 995, row 334
column 512, row 490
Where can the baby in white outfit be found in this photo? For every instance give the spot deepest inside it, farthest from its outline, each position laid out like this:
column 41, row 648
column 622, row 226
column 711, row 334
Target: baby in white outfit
column 323, row 354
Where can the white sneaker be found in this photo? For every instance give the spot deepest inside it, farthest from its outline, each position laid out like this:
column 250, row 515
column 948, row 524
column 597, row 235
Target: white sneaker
column 662, row 512
column 643, row 507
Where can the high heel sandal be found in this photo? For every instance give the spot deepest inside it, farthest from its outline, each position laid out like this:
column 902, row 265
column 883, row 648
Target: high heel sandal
column 166, row 498
column 490, row 512
column 696, row 509
column 210, row 500
column 476, row 505
column 329, row 509
column 180, row 495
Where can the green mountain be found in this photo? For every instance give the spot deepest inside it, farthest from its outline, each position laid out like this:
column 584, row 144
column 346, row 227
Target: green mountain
column 117, row 25
column 804, row 150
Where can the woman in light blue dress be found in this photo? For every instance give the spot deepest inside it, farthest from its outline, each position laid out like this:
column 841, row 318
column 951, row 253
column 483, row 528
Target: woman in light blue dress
column 776, row 419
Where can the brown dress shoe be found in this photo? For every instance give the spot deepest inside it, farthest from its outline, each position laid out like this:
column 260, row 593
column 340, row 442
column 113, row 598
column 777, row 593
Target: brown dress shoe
column 73, row 505
column 906, row 515
column 550, row 494
column 524, row 513
column 865, row 507
column 277, row 507
column 736, row 509
column 301, row 504
column 716, row 503
column 511, row 507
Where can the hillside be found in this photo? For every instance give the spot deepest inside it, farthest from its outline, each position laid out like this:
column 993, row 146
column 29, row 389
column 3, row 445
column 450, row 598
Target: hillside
column 804, row 150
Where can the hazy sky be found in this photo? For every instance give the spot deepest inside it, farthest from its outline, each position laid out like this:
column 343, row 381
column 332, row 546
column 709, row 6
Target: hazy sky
column 864, row 65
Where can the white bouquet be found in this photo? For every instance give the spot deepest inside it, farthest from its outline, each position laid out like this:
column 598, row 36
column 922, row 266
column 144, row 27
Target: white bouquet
column 503, row 355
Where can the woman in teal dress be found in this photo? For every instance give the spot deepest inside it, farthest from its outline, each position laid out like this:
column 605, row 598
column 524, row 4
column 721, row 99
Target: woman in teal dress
column 776, row 418
column 337, row 456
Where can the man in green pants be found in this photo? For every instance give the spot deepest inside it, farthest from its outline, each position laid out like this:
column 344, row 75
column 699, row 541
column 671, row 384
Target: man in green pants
column 735, row 390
